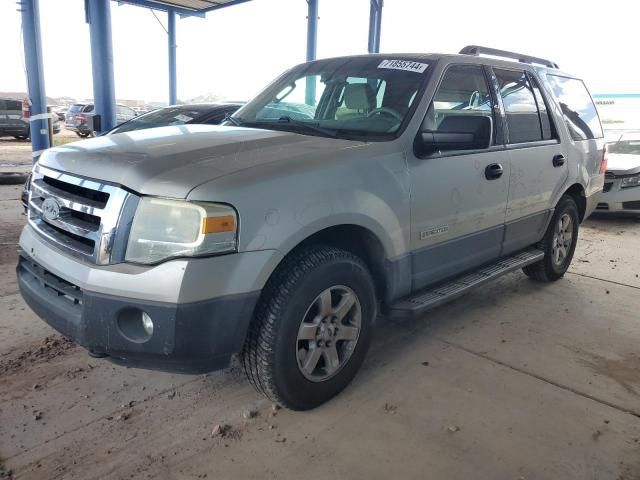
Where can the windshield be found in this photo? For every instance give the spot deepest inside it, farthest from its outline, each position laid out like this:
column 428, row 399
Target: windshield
column 625, row 143
column 366, row 98
column 75, row 108
column 163, row 117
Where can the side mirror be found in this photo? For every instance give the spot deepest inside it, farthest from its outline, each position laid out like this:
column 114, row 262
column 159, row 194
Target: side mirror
column 456, row 132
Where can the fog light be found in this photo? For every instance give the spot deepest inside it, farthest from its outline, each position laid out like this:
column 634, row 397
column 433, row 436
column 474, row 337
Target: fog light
column 147, row 323
column 135, row 325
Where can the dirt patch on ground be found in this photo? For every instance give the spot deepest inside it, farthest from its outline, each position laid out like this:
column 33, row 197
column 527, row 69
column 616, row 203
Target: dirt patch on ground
column 51, row 347
column 625, row 371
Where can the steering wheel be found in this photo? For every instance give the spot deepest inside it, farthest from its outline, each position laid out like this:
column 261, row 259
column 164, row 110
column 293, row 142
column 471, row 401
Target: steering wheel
column 389, row 111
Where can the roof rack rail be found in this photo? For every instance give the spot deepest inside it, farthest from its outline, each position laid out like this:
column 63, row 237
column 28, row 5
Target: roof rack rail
column 478, row 50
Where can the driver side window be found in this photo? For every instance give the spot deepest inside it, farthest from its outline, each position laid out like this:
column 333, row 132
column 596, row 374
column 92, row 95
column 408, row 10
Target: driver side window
column 462, row 97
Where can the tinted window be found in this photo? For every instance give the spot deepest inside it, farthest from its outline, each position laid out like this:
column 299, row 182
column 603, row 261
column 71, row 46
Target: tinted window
column 88, row 109
column 463, row 92
column 3, row 104
column 545, row 116
column 14, row 105
column 75, row 108
column 520, row 106
column 578, row 109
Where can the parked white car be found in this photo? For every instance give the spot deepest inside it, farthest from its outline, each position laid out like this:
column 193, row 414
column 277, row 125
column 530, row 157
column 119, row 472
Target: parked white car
column 621, row 193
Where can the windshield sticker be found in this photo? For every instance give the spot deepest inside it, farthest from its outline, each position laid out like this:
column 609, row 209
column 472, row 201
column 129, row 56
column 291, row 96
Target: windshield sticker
column 407, row 65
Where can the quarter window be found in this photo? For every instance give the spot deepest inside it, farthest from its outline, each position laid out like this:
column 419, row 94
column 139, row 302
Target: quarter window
column 578, row 109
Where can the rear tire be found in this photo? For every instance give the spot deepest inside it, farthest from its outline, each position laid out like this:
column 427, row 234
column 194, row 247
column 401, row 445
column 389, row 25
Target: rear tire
column 559, row 243
column 312, row 327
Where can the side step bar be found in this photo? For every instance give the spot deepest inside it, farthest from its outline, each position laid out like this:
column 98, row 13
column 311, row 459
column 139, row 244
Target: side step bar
column 439, row 294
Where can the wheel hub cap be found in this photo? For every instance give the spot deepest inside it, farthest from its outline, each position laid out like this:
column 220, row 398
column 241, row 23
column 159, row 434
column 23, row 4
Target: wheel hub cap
column 328, row 333
column 562, row 239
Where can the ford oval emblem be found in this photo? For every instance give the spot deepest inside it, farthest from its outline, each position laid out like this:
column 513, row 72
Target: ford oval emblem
column 50, row 209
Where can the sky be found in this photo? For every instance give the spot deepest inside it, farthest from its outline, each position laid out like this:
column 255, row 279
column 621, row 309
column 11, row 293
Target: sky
column 236, row 51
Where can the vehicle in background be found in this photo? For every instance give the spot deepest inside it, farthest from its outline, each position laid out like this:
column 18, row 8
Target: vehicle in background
column 140, row 110
column 12, row 122
column 621, row 192
column 207, row 113
column 60, row 111
column 79, row 117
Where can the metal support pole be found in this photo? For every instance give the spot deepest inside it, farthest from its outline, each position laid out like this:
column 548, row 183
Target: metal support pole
column 171, row 33
column 35, row 77
column 375, row 25
column 312, row 41
column 378, row 26
column 98, row 16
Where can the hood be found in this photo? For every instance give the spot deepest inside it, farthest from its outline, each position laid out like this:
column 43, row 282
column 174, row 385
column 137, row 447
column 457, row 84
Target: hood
column 172, row 161
column 623, row 164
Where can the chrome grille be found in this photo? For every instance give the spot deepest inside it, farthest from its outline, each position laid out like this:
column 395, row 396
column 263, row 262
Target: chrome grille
column 78, row 215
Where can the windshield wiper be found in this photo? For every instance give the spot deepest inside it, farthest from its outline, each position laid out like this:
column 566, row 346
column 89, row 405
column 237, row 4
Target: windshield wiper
column 310, row 126
column 236, row 121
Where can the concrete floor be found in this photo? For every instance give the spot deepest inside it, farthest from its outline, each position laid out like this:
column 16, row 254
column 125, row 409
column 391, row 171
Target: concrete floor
column 516, row 380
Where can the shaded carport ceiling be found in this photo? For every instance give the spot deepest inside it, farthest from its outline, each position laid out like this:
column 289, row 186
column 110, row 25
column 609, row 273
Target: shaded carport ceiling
column 98, row 16
column 185, row 7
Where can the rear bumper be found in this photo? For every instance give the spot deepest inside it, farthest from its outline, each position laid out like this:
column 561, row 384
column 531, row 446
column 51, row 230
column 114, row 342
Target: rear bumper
column 191, row 337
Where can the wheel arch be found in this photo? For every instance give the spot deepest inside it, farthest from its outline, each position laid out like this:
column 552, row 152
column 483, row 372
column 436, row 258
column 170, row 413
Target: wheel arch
column 362, row 242
column 577, row 192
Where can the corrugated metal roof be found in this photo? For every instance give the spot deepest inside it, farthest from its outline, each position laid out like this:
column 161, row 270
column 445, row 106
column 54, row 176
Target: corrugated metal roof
column 185, row 6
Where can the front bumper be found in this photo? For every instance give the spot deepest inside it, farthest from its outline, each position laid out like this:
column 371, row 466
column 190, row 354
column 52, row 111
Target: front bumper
column 201, row 308
column 192, row 337
column 619, row 200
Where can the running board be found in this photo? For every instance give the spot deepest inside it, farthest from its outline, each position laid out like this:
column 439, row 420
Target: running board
column 431, row 297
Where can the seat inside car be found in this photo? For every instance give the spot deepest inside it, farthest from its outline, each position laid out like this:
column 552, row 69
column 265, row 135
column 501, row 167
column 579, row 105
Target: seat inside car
column 359, row 97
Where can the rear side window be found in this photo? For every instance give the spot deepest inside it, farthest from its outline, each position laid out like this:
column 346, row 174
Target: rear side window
column 14, row 105
column 545, row 117
column 578, row 109
column 521, row 108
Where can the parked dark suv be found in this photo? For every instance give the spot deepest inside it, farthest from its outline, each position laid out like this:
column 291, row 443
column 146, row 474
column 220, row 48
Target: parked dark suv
column 79, row 117
column 12, row 123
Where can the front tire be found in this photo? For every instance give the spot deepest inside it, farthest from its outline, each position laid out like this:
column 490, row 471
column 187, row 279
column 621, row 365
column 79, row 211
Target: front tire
column 559, row 243
column 312, row 327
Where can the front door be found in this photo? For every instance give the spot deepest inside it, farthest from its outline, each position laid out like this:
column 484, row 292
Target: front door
column 458, row 198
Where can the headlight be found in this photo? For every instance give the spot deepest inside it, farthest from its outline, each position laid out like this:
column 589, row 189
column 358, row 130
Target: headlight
column 164, row 228
column 630, row 182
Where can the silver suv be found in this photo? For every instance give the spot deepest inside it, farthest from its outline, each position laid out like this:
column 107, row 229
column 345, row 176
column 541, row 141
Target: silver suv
column 348, row 186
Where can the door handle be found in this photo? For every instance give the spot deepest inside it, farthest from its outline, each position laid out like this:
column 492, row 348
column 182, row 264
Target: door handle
column 493, row 171
column 558, row 160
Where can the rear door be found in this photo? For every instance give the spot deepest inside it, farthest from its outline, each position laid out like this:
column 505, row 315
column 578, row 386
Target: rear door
column 458, row 201
column 539, row 167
